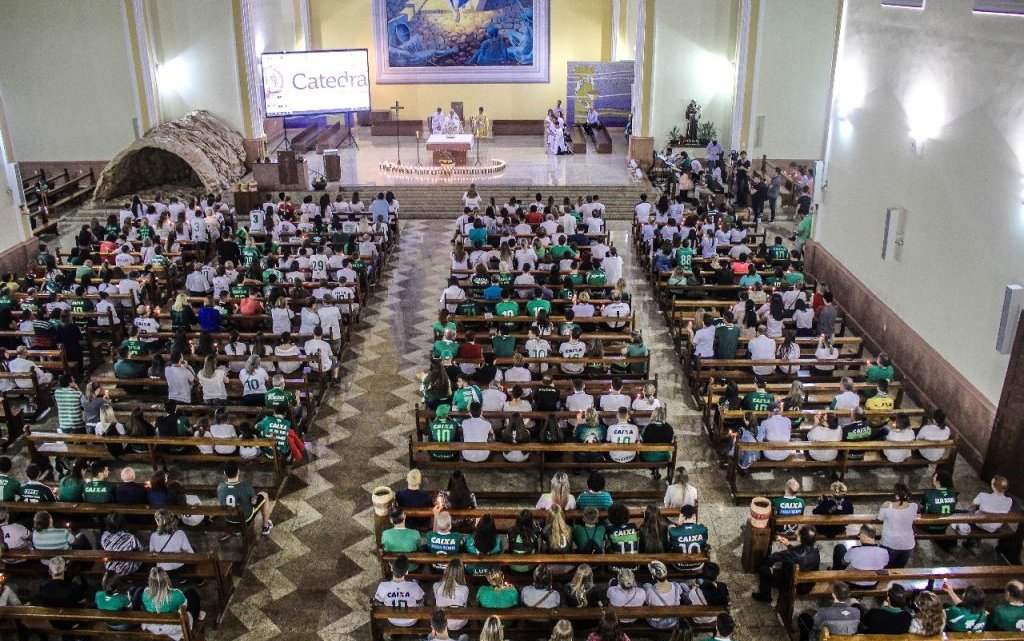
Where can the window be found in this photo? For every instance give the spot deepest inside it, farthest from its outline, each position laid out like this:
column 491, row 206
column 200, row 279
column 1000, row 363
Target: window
column 904, row 4
column 1003, row 7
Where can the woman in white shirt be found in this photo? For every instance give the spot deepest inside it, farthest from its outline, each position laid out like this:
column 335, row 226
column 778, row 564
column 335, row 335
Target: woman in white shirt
column 934, row 429
column 254, row 382
column 222, row 429
column 168, row 539
column 900, row 433
column 581, row 306
column 789, row 350
column 235, row 347
column 804, row 319
column 452, row 592
column 471, row 198
column 108, row 421
column 560, row 494
column 213, row 381
column 680, row 492
column 623, row 592
column 825, row 429
column 308, row 320
column 281, row 317
column 287, row 348
column 518, row 373
column 825, row 351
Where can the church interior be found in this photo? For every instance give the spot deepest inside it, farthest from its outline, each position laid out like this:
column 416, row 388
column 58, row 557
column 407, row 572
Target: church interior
column 511, row 319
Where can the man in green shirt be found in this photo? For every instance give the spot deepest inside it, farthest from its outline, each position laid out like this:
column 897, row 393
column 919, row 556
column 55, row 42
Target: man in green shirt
column 466, row 394
column 686, row 536
column 443, row 429
column 502, row 344
column 562, row 250
column 727, row 337
column 535, row 303
column 778, row 251
column 9, row 486
column 789, row 504
column 803, row 231
column 597, row 275
column 99, row 489
column 233, row 492
column 1009, row 616
column 967, row 614
column 67, row 397
column 507, row 307
column 276, row 427
column 684, row 256
column 441, row 540
column 446, row 348
column 399, row 538
column 279, row 396
column 6, row 300
column 760, row 400
column 940, row 499
column 881, row 369
column 792, row 276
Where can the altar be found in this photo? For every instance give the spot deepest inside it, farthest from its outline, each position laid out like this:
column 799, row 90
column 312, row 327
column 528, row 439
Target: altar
column 453, row 146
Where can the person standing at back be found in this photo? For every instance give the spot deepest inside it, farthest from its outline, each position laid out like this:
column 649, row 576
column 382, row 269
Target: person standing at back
column 235, row 493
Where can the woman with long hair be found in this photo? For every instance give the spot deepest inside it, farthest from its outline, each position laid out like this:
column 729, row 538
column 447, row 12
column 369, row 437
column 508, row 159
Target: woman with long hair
column 483, row 541
column 139, row 427
column 435, row 386
column 562, row 631
column 540, row 593
column 560, row 494
column 213, row 380
column 825, row 351
column 116, row 538
column 235, row 347
column 930, row 618
column 523, row 539
column 789, row 350
column 498, row 593
column 663, row 592
column 581, row 592
column 652, row 531
column 897, row 517
column 168, row 538
column 161, row 597
column 452, row 592
column 457, row 495
column 492, row 630
column 254, row 382
column 557, row 537
column 624, row 592
column 608, row 629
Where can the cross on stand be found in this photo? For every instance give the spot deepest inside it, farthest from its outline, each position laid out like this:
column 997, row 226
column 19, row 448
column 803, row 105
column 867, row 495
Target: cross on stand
column 398, row 143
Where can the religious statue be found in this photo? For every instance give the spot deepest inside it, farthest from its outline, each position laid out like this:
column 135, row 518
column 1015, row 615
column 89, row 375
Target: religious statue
column 452, row 123
column 481, row 124
column 692, row 119
column 437, row 122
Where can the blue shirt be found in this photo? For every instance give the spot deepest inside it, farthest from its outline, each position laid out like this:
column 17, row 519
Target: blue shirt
column 209, row 319
column 379, row 210
column 492, row 293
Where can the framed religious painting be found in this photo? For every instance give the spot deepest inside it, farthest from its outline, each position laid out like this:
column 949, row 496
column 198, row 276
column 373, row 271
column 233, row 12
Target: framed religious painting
column 461, row 41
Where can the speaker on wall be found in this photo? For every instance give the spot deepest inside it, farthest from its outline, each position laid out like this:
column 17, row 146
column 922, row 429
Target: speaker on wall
column 1013, row 299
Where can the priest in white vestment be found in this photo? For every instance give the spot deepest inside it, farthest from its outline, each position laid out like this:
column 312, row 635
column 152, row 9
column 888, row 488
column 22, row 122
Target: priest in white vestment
column 452, row 123
column 437, row 122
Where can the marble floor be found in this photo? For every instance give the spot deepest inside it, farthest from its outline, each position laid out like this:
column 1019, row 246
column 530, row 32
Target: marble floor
column 313, row 578
column 528, row 164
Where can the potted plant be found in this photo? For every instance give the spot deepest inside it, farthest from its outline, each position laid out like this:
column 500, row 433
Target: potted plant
column 706, row 132
column 675, row 137
column 320, row 183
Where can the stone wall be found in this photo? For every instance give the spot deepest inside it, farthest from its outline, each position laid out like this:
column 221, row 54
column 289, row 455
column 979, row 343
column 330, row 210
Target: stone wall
column 197, row 150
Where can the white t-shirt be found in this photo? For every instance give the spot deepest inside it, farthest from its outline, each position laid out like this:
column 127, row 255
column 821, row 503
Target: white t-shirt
column 822, row 433
column 319, row 346
column 933, row 432
column 459, row 599
column 330, row 321
column 214, row 387
column 406, row 594
column 704, row 342
column 619, row 598
column 179, row 383
column 236, row 349
column 288, row 367
column 281, row 319
column 900, row 436
column 493, row 400
column 570, row 349
column 616, row 310
column 173, row 543
column 475, row 430
column 578, row 402
column 762, row 348
column 223, row 430
column 255, row 383
column 644, row 404
column 777, row 429
column 623, row 433
column 992, row 503
column 677, row 496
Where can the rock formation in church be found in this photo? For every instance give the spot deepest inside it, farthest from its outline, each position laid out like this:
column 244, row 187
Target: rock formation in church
column 195, row 152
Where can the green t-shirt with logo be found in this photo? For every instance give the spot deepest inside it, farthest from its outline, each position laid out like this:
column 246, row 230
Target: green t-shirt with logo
column 939, row 502
column 778, row 252
column 960, row 619
column 537, row 303
column 1008, row 617
column 758, row 401
column 727, row 338
column 444, row 544
column 688, row 538
column 503, row 345
column 684, row 258
column 597, row 277
column 276, row 427
column 445, row 350
column 239, row 291
column 443, row 430
column 463, row 396
column 507, row 308
column 276, row 396
column 9, row 488
column 788, row 506
column 98, row 492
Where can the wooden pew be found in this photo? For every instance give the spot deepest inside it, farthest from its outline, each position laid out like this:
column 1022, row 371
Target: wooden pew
column 94, row 447
column 533, row 623
column 419, row 456
column 93, row 623
column 815, row 394
column 741, row 369
column 424, row 416
column 947, row 636
column 579, row 139
column 872, row 459
column 988, row 577
column 197, row 565
column 719, row 430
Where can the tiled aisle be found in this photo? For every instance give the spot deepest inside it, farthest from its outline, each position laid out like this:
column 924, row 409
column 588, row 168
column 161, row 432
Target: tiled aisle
column 315, row 575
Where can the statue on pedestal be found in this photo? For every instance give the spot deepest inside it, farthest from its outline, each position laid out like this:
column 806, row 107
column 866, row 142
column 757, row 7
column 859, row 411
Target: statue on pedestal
column 692, row 120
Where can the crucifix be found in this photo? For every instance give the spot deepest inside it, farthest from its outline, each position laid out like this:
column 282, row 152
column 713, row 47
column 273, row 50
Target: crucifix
column 398, row 143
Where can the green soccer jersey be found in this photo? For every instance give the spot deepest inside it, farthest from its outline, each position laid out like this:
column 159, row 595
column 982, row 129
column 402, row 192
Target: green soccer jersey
column 445, row 350
column 112, row 602
column 559, row 252
column 960, row 619
column 507, row 308
column 505, row 279
column 504, row 346
column 597, row 277
column 778, row 252
column 159, row 260
column 277, row 428
column 69, row 490
column 727, row 339
column 239, row 291
column 758, row 401
column 536, row 304
column 9, row 488
column 497, row 598
column 940, row 501
column 98, row 492
column 788, row 506
column 443, row 430
column 624, row 539
column 688, row 538
column 589, row 539
column 793, row 277
column 277, row 396
column 135, row 346
column 237, row 494
column 463, row 396
column 249, row 254
column 444, row 544
column 1008, row 617
column 684, row 258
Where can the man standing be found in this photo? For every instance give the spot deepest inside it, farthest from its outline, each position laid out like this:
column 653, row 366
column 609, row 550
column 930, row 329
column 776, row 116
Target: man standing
column 714, row 153
column 437, row 122
column 67, row 397
column 774, row 191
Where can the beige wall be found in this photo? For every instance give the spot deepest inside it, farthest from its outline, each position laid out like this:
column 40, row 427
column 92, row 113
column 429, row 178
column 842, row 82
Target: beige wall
column 341, row 24
column 793, row 73
column 694, row 48
column 193, row 41
column 65, row 78
column 959, row 75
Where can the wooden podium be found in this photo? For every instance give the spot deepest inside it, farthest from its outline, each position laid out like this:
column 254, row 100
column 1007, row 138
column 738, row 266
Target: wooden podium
column 287, row 167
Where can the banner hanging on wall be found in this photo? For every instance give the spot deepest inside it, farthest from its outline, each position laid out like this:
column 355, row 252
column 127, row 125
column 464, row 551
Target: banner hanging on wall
column 607, row 86
column 461, row 41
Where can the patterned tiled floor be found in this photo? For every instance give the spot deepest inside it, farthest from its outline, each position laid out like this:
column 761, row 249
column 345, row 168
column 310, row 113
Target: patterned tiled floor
column 314, row 577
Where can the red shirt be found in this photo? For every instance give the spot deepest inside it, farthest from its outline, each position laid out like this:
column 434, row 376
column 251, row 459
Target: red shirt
column 250, row 307
column 471, row 351
column 107, row 249
column 534, row 218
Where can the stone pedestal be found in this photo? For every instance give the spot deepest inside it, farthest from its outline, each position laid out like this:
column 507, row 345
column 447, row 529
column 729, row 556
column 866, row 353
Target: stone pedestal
column 641, row 149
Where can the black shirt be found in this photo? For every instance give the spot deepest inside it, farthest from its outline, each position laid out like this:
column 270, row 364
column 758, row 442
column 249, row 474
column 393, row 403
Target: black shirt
column 657, row 433
column 803, row 204
column 831, row 506
column 886, row 621
column 61, row 594
column 415, row 498
column 130, row 493
column 545, row 398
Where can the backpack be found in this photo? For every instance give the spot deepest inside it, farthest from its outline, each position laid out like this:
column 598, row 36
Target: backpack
column 592, row 545
column 551, row 432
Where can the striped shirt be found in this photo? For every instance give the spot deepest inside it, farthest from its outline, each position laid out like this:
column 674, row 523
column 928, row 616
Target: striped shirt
column 601, row 500
column 69, row 409
column 55, row 538
column 120, row 542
